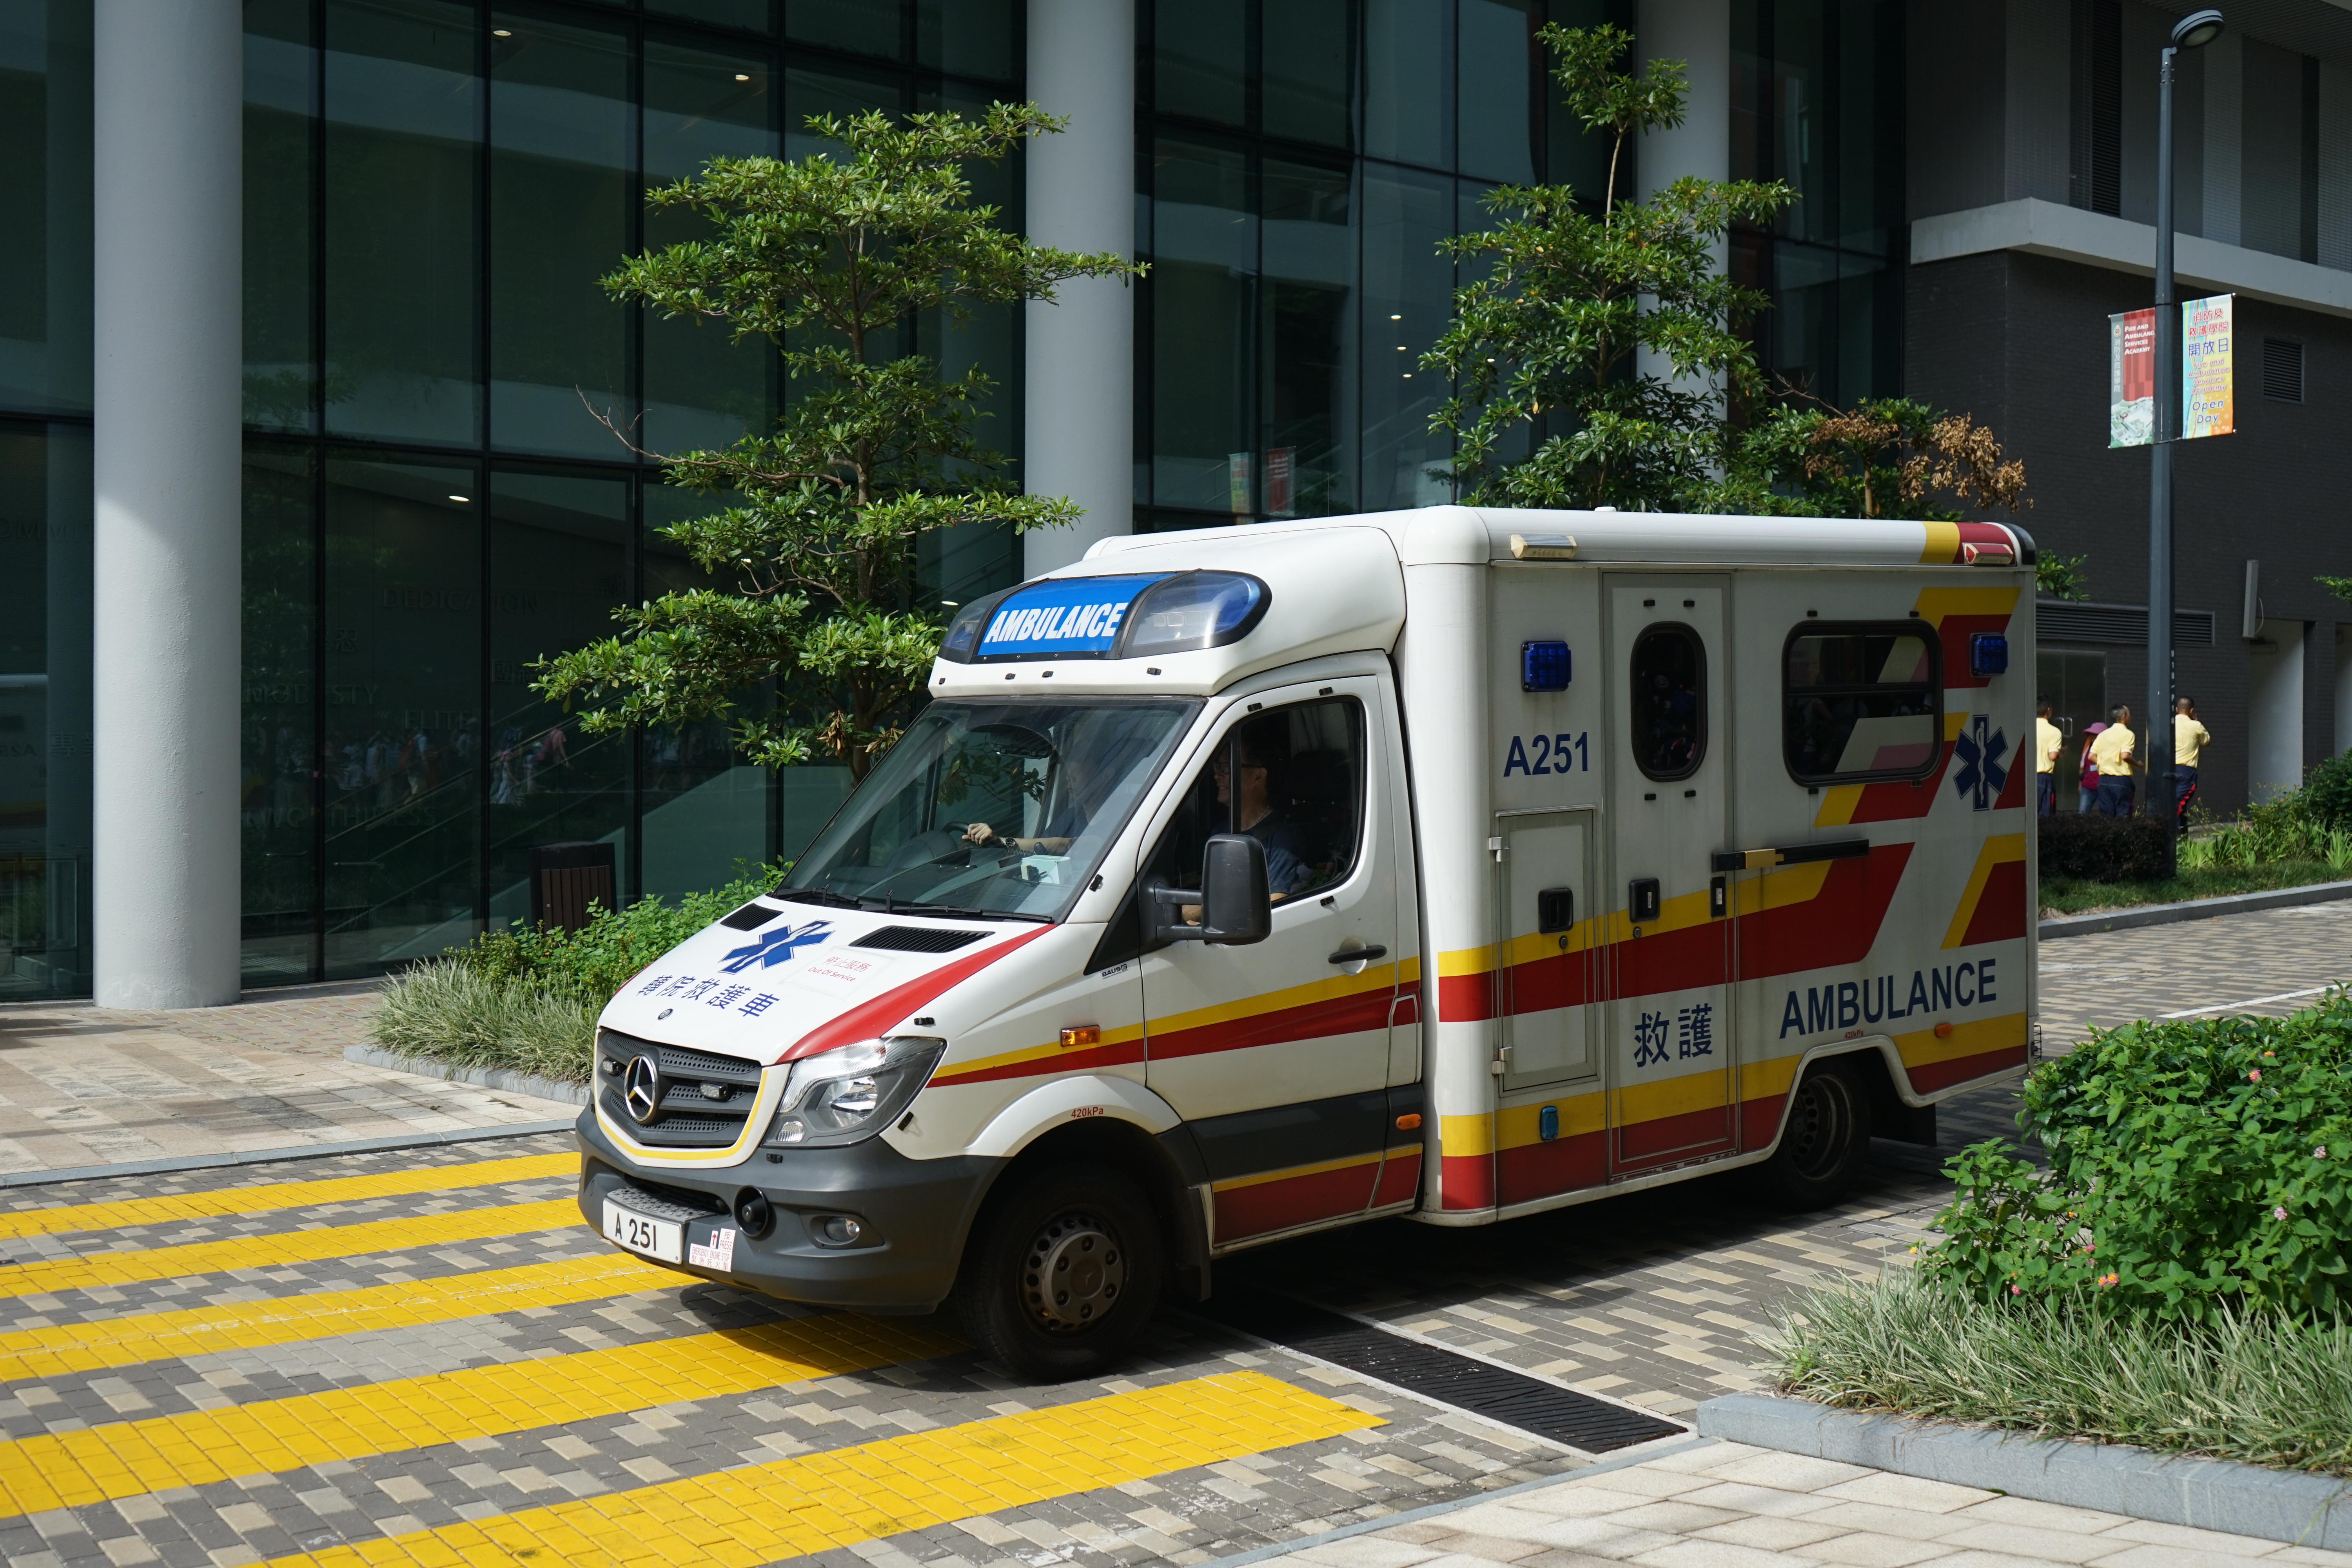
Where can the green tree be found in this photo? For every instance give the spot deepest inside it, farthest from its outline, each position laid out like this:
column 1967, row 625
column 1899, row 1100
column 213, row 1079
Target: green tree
column 1571, row 298
column 830, row 257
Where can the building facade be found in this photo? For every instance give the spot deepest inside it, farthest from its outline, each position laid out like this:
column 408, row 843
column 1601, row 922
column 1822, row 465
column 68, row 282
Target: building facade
column 436, row 470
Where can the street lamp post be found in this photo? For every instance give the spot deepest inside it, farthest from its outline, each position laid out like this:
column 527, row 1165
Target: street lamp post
column 2193, row 31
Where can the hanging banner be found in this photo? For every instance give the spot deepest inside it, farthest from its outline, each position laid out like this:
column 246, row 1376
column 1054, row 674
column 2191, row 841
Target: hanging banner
column 2208, row 368
column 2131, row 379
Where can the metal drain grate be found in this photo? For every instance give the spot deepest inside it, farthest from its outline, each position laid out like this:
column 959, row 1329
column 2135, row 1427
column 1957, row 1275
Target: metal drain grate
column 1511, row 1398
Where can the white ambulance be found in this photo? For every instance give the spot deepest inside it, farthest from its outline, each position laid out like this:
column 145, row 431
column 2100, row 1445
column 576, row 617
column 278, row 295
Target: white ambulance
column 1451, row 864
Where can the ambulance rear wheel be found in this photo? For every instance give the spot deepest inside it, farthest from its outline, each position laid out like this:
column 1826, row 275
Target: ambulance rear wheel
column 1824, row 1141
column 1062, row 1273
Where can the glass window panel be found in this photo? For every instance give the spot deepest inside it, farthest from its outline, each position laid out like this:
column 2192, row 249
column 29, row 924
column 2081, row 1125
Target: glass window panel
column 1408, row 298
column 1409, row 81
column 753, row 15
column 1203, row 287
column 561, row 190
column 2271, row 151
column 1859, row 702
column 1668, row 728
column 1502, row 111
column 403, row 750
column 404, row 122
column 702, row 391
column 1199, row 54
column 1306, row 71
column 969, row 37
column 45, row 712
column 705, row 809
column 1576, row 157
column 1803, row 128
column 840, row 93
column 1307, row 359
column 861, row 26
column 559, row 564
column 280, row 100
column 45, row 186
column 1869, row 127
column 278, row 746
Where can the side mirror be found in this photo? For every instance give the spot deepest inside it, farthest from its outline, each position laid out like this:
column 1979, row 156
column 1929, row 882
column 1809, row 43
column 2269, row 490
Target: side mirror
column 1236, row 908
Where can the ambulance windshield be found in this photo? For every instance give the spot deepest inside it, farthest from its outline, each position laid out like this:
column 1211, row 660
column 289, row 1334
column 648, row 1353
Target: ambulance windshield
column 992, row 808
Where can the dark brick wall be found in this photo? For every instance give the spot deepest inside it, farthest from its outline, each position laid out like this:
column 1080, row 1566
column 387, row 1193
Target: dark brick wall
column 2021, row 341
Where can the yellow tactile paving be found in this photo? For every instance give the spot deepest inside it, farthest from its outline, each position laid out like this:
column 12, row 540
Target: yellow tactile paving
column 269, row 1195
column 118, row 1459
column 760, row 1513
column 282, row 1247
column 136, row 1336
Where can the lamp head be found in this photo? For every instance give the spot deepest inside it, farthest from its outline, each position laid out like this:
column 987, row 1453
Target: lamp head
column 2197, row 30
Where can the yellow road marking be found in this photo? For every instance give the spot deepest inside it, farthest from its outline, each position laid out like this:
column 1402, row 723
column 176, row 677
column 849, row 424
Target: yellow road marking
column 136, row 1336
column 65, row 1470
column 282, row 1247
column 282, row 1196
column 760, row 1513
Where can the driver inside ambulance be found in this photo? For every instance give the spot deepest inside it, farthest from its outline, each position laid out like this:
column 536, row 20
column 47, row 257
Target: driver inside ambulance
column 1286, row 867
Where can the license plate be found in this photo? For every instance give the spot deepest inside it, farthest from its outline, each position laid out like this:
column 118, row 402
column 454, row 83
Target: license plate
column 662, row 1238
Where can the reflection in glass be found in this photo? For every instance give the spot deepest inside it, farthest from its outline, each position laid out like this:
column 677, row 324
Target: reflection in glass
column 280, row 103
column 1407, row 301
column 1200, row 52
column 702, row 391
column 753, row 15
column 562, row 155
column 1668, row 677
column 44, row 165
column 44, row 709
column 1409, row 81
column 970, row 37
column 1308, row 363
column 1859, row 702
column 1502, row 66
column 277, row 744
column 403, row 745
column 403, row 125
column 1306, row 59
column 840, row 93
column 559, row 563
column 861, row 26
column 1204, row 307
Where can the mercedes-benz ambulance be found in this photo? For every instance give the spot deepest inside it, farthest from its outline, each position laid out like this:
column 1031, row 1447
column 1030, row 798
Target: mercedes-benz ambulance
column 1450, row 864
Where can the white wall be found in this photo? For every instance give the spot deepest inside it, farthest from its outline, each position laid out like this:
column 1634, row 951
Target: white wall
column 2274, row 711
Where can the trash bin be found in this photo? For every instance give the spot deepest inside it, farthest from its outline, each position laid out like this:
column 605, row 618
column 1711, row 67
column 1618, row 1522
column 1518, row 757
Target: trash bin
column 569, row 881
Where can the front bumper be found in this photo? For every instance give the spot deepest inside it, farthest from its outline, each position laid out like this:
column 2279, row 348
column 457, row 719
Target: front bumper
column 913, row 1216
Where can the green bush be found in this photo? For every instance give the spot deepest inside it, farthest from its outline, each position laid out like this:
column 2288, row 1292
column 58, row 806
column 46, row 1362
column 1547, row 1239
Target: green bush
column 2096, row 849
column 2196, row 1167
column 2261, row 1387
column 445, row 1011
column 2326, row 792
column 589, row 964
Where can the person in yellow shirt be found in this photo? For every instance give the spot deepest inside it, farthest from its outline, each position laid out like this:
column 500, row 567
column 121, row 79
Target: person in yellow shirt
column 2112, row 753
column 2189, row 739
column 2047, row 740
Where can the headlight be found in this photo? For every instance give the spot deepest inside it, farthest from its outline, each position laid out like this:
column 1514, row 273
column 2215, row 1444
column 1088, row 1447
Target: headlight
column 851, row 1092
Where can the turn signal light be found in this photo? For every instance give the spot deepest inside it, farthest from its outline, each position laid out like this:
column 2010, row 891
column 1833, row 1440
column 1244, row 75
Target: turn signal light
column 1083, row 1035
column 1943, row 1031
column 1409, row 1120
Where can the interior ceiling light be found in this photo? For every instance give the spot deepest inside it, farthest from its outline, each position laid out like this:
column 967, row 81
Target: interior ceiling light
column 462, row 501
column 502, row 32
column 741, row 76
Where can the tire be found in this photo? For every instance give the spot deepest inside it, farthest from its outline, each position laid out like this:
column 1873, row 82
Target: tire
column 1087, row 1229
column 1824, row 1140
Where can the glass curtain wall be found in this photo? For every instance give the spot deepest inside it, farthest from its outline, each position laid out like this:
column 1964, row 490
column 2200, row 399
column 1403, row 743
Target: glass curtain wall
column 1817, row 101
column 1298, row 163
column 452, row 429
column 45, row 498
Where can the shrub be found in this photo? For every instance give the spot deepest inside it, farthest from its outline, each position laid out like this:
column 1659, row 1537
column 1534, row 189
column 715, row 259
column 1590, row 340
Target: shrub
column 2326, row 792
column 2095, row 849
column 588, row 965
column 2196, row 1166
column 445, row 1010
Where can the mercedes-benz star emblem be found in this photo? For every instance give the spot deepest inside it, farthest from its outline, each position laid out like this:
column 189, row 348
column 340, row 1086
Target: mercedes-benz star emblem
column 641, row 1090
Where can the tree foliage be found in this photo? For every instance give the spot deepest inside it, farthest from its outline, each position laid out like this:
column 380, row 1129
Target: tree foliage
column 830, row 257
column 1573, row 303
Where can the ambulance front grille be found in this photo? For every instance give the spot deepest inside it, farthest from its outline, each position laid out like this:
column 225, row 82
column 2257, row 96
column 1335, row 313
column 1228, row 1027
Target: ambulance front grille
column 705, row 1096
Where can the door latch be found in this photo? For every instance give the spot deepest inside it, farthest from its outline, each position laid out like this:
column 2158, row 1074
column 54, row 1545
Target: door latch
column 1502, row 1062
column 1494, row 848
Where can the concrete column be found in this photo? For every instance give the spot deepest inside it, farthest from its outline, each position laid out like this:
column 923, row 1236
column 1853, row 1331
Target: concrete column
column 169, row 324
column 1698, row 34
column 1078, row 407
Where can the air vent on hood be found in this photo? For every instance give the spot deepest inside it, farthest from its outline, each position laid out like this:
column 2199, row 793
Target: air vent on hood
column 750, row 916
column 917, row 939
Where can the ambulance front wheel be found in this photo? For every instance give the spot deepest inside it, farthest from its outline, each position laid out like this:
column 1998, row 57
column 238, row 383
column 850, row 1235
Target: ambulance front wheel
column 1824, row 1141
column 1062, row 1273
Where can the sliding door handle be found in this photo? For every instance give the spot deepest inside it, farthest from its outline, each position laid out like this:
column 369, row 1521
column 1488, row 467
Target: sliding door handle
column 1358, row 954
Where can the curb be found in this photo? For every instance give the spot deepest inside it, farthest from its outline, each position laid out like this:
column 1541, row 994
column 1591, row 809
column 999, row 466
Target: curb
column 503, row 1078
column 270, row 1156
column 2194, row 910
column 2114, row 1477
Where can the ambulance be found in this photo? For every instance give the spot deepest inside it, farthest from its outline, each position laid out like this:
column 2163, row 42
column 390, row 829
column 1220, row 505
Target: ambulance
column 1451, row 864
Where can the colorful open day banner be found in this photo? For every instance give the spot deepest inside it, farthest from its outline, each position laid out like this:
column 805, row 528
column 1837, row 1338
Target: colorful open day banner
column 2208, row 383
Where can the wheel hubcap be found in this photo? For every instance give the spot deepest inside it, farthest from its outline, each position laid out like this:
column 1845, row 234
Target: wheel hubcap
column 1073, row 1272
column 1821, row 1127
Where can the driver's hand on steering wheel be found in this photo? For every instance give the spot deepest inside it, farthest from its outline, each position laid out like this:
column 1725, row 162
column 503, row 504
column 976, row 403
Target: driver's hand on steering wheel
column 979, row 833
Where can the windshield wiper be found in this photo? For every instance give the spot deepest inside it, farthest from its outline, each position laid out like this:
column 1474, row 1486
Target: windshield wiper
column 959, row 911
column 814, row 896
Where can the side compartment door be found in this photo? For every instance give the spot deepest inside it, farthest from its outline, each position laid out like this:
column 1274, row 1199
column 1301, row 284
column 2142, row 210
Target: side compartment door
column 1277, row 1053
column 1545, row 978
column 1670, row 954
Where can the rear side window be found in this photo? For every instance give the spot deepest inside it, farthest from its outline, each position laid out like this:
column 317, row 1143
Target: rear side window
column 1861, row 702
column 1669, row 727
